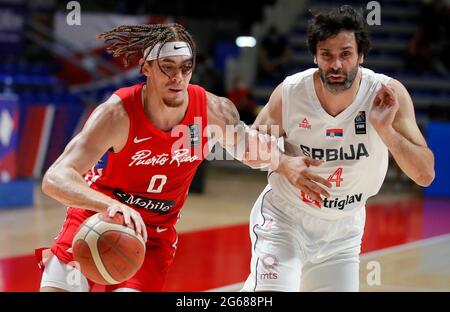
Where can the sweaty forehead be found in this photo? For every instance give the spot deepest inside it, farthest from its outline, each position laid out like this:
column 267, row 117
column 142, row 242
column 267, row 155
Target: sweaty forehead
column 343, row 40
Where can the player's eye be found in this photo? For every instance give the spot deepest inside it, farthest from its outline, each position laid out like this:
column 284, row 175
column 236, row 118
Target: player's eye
column 346, row 54
column 167, row 68
column 186, row 68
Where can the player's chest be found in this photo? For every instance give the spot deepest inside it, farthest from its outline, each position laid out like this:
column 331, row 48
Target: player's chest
column 330, row 140
column 181, row 147
column 159, row 157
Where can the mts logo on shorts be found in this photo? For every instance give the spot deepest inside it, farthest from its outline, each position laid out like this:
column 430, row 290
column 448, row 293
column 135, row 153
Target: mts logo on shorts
column 268, row 276
column 269, row 262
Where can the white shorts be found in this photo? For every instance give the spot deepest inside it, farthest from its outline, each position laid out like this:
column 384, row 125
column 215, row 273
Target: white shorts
column 294, row 250
column 57, row 274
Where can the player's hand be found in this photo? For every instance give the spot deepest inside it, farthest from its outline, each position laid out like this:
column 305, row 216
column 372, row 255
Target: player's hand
column 129, row 215
column 384, row 108
column 295, row 169
column 262, row 150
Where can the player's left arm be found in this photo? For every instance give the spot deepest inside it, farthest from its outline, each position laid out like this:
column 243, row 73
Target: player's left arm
column 392, row 115
column 247, row 145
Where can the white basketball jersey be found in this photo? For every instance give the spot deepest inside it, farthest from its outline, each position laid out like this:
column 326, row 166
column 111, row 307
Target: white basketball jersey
column 356, row 158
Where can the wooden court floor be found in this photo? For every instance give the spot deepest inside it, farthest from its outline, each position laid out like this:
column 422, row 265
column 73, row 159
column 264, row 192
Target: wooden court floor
column 406, row 237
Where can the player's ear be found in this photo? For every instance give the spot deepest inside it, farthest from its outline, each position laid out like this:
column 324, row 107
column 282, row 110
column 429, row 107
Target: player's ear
column 145, row 68
column 315, row 60
column 361, row 59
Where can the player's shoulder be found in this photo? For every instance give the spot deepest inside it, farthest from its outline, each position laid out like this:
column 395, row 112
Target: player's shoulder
column 374, row 78
column 196, row 88
column 108, row 124
column 299, row 77
column 113, row 110
column 128, row 92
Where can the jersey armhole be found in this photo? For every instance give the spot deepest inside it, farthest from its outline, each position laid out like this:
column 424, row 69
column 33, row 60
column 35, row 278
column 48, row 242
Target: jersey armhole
column 384, row 79
column 200, row 93
column 284, row 107
column 206, row 132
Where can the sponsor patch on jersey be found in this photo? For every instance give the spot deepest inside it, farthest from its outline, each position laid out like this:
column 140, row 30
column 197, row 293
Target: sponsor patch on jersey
column 194, row 134
column 307, row 199
column 340, row 203
column 335, row 133
column 360, row 123
column 159, row 206
column 305, row 124
column 335, row 203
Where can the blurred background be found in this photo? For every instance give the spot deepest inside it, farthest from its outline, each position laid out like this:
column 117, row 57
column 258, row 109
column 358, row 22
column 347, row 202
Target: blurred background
column 53, row 73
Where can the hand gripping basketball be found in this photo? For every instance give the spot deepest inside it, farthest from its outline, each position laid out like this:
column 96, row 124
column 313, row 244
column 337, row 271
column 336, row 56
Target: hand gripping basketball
column 128, row 215
column 107, row 251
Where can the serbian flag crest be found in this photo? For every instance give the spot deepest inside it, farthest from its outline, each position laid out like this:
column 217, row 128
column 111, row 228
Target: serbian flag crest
column 331, row 133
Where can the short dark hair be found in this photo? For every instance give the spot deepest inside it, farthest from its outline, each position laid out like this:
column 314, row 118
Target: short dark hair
column 324, row 25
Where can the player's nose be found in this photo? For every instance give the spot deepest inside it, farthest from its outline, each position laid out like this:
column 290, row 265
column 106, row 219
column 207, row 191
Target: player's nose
column 178, row 76
column 336, row 64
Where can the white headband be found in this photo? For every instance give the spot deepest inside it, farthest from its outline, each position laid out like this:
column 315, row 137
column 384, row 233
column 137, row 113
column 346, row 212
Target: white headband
column 174, row 48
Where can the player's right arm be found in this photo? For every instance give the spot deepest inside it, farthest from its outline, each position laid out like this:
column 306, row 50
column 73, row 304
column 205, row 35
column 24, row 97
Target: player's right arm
column 107, row 128
column 293, row 168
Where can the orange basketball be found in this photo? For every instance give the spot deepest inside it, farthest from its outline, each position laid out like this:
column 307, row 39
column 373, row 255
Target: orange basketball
column 107, row 251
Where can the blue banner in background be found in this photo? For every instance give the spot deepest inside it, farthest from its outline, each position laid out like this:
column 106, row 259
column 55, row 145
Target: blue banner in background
column 438, row 138
column 66, row 119
column 12, row 22
column 9, row 120
column 13, row 192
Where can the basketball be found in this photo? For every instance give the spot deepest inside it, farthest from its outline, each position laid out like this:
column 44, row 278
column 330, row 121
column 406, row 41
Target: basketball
column 107, row 251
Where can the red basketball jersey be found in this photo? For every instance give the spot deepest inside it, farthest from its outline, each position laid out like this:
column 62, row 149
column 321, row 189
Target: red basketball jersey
column 154, row 170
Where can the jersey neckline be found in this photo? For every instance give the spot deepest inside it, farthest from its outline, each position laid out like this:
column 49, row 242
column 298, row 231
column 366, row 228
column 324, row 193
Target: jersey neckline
column 149, row 124
column 348, row 111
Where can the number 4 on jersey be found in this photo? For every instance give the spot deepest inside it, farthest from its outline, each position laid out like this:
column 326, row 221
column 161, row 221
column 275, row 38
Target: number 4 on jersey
column 336, row 177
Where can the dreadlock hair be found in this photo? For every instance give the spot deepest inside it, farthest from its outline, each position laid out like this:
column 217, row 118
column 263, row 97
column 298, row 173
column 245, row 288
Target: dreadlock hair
column 132, row 40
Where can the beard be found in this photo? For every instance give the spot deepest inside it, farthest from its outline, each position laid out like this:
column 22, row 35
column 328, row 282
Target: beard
column 336, row 87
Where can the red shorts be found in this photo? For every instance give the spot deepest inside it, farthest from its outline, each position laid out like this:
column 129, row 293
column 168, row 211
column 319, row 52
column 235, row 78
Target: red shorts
column 160, row 251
